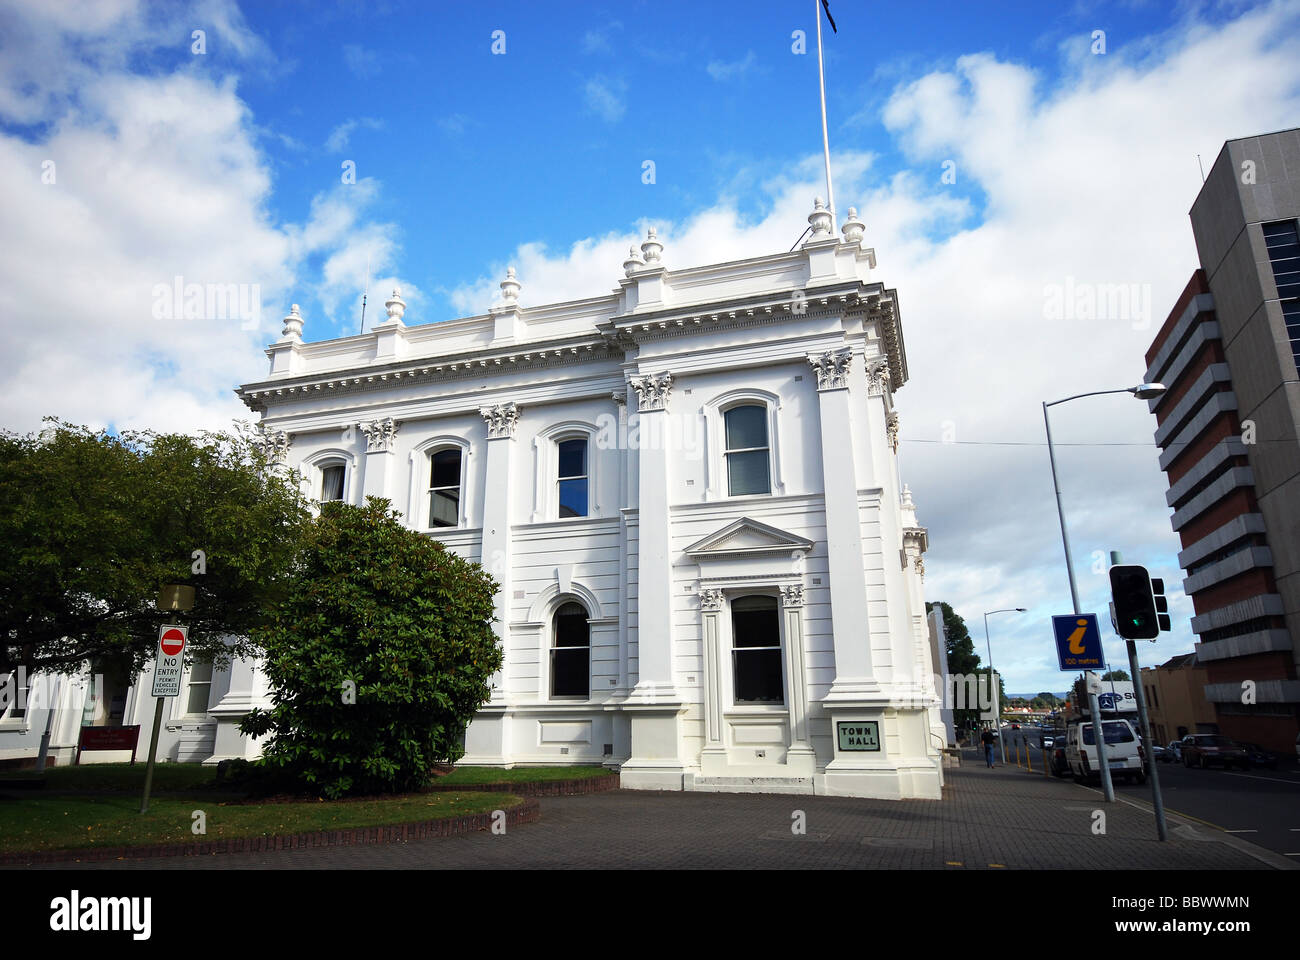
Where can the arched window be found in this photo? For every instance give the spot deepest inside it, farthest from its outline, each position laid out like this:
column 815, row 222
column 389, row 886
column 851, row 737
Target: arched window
column 571, row 652
column 747, row 452
column 756, row 651
column 444, row 487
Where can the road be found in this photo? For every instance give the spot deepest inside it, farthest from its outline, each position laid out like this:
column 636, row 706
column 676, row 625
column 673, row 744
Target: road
column 1259, row 805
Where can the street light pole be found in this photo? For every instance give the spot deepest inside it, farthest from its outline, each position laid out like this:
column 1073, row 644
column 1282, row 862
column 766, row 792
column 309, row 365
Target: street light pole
column 997, row 693
column 1142, row 391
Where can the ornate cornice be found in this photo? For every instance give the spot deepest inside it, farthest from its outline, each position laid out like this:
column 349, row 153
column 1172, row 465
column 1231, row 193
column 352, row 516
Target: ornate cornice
column 361, row 379
column 652, row 391
column 380, row 434
column 501, row 419
column 832, row 368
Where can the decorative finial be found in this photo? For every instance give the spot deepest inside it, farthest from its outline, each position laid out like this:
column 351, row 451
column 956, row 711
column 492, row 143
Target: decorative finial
column 633, row 263
column 652, row 248
column 396, row 305
column 820, row 218
column 510, row 287
column 907, row 496
column 292, row 324
column 853, row 228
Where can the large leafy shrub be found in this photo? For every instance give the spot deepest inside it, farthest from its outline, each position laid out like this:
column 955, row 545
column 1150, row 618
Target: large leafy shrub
column 386, row 618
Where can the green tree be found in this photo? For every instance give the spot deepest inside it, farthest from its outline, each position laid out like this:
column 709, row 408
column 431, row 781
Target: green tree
column 378, row 656
column 962, row 660
column 93, row 523
column 1116, row 675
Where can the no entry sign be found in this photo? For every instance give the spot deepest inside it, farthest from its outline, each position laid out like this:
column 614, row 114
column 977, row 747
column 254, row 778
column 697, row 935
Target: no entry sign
column 168, row 664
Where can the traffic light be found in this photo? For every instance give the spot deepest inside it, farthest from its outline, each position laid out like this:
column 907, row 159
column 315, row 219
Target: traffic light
column 1136, row 617
column 1162, row 605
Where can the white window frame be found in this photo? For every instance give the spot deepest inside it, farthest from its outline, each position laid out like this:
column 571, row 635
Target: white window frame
column 546, row 452
column 727, row 668
column 716, row 438
column 421, row 472
column 185, row 693
column 314, row 466
column 549, row 634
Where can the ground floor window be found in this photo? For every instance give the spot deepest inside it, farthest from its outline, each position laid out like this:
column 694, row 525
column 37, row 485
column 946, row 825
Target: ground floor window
column 756, row 651
column 571, row 652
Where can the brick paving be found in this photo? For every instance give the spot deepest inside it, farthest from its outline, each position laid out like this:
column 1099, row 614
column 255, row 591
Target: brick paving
column 988, row 819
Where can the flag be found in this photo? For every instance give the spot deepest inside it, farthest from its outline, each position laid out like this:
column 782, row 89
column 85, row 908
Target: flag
column 827, row 7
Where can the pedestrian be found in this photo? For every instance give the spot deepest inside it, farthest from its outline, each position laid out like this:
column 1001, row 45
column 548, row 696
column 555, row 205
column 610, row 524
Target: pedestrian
column 987, row 739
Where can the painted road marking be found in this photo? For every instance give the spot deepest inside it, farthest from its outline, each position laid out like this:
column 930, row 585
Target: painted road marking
column 953, row 863
column 1000, row 866
column 1251, row 776
column 1241, row 831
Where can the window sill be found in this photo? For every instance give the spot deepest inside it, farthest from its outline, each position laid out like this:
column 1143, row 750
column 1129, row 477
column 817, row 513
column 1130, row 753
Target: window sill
column 755, row 709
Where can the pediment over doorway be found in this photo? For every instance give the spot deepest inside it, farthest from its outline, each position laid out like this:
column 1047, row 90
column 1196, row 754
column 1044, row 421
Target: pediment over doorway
column 746, row 537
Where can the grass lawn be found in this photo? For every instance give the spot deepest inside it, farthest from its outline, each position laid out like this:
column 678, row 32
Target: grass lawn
column 520, row 774
column 40, row 823
column 122, row 777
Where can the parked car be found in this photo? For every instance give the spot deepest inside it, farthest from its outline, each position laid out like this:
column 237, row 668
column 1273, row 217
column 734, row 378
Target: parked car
column 1176, row 750
column 1123, row 752
column 1047, row 739
column 1162, row 754
column 1208, row 749
column 1259, row 757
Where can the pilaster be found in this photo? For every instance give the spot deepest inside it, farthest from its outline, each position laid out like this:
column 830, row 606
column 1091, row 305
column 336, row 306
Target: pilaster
column 501, row 420
column 854, row 679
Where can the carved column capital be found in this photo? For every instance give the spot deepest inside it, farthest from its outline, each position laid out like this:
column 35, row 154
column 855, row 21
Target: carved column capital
column 652, row 391
column 832, row 368
column 501, row 419
column 710, row 600
column 878, row 383
column 274, row 444
column 792, row 595
column 380, row 434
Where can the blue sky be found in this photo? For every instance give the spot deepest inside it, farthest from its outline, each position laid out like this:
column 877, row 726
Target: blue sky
column 127, row 160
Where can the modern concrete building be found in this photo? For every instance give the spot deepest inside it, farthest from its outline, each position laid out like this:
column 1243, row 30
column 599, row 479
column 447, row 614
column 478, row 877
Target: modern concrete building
column 1227, row 429
column 687, row 487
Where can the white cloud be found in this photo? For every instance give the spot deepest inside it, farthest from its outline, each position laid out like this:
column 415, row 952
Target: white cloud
column 597, row 40
column 341, row 136
column 723, row 71
column 604, row 97
column 362, row 63
column 155, row 177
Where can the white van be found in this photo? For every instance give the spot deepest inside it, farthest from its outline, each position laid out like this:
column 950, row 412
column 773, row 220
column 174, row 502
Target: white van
column 1123, row 752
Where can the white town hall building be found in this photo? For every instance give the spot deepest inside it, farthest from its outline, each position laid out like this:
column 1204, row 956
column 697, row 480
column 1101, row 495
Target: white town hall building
column 688, row 490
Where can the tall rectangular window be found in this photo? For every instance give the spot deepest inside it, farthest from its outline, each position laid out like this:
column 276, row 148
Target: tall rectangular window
column 1291, row 316
column 331, row 482
column 756, row 651
column 444, row 488
column 200, row 685
column 747, row 451
column 1283, row 243
column 572, row 477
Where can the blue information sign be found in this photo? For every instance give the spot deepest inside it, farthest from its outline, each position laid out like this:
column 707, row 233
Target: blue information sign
column 1078, row 642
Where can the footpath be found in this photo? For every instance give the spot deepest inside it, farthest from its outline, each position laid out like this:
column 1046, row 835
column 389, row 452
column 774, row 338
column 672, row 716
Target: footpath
column 989, row 819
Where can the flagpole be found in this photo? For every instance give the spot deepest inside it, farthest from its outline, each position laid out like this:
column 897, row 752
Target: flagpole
column 826, row 142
